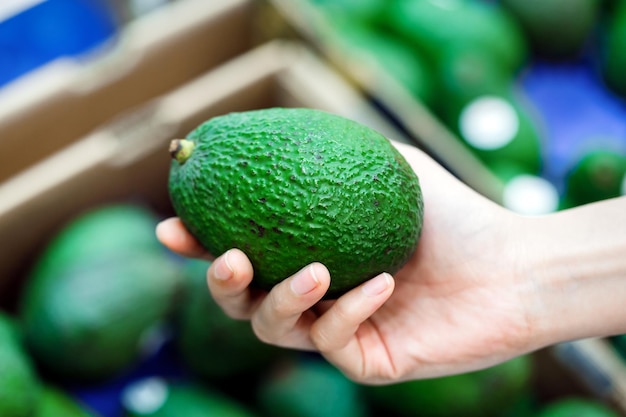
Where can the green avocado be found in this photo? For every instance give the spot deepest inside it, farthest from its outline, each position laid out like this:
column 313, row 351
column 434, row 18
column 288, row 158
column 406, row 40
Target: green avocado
column 488, row 392
column 20, row 388
column 556, row 29
column 57, row 403
column 392, row 54
column 310, row 387
column 619, row 342
column 294, row 186
column 117, row 227
column 577, row 407
column 613, row 49
column 156, row 397
column 598, row 175
column 214, row 346
column 434, row 26
column 84, row 315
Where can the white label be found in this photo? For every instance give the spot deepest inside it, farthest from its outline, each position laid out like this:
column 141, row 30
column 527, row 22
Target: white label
column 145, row 396
column 10, row 8
column 530, row 195
column 489, row 122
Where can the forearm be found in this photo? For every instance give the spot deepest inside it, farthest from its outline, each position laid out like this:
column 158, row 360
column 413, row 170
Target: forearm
column 577, row 267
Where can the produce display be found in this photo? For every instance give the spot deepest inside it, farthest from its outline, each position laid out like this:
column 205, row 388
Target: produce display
column 80, row 344
column 109, row 323
column 532, row 87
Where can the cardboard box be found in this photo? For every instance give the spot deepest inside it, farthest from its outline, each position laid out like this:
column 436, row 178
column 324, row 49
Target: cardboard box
column 128, row 158
column 63, row 101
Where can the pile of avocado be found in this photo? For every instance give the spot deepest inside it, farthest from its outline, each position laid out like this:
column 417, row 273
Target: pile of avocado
column 103, row 286
column 465, row 60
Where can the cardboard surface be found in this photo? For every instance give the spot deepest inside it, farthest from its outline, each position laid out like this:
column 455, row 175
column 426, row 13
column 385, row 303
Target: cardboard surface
column 66, row 99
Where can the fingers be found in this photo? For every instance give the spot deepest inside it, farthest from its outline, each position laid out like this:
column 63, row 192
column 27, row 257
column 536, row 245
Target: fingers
column 228, row 278
column 284, row 318
column 339, row 324
column 173, row 234
column 347, row 335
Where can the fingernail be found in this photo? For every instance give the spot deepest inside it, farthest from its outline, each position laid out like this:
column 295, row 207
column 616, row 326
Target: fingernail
column 304, row 283
column 223, row 269
column 377, row 285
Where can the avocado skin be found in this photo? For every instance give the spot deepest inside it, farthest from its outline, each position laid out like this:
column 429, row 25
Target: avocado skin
column 20, row 388
column 596, row 176
column 287, row 391
column 294, row 186
column 214, row 346
column 116, row 227
column 487, row 392
column 195, row 400
column 57, row 403
column 98, row 285
column 577, row 407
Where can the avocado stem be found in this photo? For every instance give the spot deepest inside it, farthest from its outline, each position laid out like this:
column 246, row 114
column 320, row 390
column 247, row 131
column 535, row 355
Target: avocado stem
column 181, row 149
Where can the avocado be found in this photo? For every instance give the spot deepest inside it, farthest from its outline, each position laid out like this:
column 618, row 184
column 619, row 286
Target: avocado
column 464, row 74
column 310, row 387
column 84, row 315
column 613, row 49
column 214, row 346
column 294, row 186
column 556, row 29
column 20, row 388
column 499, row 129
column 619, row 342
column 359, row 10
column 487, row 392
column 598, row 175
column 524, row 192
column 57, row 403
column 577, row 407
column 157, row 397
column 116, row 227
column 392, row 54
column 434, row 26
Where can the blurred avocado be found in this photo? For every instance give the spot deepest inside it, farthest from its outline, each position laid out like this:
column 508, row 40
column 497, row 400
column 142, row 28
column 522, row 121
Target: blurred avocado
column 58, row 403
column 577, row 407
column 20, row 388
column 310, row 387
column 499, row 128
column 435, row 25
column 213, row 345
column 390, row 53
column 613, row 46
column 525, row 192
column 598, row 175
column 156, row 397
column 462, row 75
column 556, row 29
column 368, row 11
column 481, row 393
column 103, row 229
column 101, row 284
column 619, row 342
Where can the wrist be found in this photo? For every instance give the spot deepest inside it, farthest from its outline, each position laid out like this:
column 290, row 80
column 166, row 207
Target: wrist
column 575, row 272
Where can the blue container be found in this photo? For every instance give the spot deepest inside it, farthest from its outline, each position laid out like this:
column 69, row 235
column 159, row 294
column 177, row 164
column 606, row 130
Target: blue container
column 38, row 31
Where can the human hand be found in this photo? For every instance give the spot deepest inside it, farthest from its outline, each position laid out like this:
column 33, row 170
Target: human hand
column 458, row 304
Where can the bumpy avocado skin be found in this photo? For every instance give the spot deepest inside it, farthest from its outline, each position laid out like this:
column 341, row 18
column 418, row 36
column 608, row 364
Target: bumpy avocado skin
column 293, row 186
